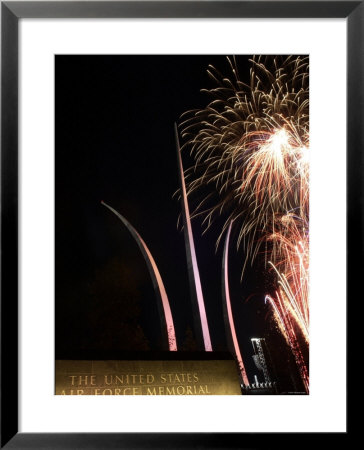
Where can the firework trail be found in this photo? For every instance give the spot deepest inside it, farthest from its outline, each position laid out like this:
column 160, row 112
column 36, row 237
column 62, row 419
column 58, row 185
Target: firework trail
column 292, row 270
column 284, row 319
column 251, row 147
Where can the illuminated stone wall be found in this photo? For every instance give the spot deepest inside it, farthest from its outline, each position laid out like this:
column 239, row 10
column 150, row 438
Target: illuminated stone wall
column 147, row 377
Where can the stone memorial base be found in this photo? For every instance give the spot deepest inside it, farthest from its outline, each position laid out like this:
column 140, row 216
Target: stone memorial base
column 174, row 374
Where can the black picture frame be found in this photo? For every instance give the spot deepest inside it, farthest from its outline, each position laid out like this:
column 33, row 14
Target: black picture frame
column 11, row 12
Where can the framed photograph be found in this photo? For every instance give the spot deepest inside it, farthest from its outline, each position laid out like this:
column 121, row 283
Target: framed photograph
column 180, row 197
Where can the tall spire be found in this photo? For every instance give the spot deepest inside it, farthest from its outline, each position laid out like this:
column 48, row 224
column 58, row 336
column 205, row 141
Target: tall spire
column 228, row 314
column 202, row 333
column 165, row 313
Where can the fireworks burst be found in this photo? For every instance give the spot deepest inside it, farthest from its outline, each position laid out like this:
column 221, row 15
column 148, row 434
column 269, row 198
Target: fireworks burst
column 251, row 146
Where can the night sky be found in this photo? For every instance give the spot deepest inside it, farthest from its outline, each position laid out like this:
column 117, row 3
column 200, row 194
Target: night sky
column 115, row 142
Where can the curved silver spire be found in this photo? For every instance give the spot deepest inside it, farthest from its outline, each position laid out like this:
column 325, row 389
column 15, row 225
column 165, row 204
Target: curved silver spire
column 198, row 305
column 165, row 313
column 228, row 314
